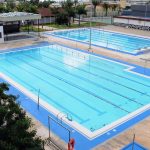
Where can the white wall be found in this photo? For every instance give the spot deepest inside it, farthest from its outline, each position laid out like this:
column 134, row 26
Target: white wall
column 45, row 20
column 2, row 34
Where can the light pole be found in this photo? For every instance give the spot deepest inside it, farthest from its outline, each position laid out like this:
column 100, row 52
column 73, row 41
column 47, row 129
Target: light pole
column 38, row 99
column 133, row 142
column 146, row 5
column 50, row 119
column 90, row 36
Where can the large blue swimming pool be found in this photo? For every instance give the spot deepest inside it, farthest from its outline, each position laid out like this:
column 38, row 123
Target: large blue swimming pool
column 111, row 40
column 94, row 92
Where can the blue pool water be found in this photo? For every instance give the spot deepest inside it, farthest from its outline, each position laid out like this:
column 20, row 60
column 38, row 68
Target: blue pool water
column 93, row 90
column 110, row 40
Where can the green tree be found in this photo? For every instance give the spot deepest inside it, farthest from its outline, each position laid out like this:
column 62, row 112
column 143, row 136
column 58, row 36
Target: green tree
column 10, row 6
column 62, row 18
column 55, row 10
column 27, row 7
column 35, row 2
column 2, row 8
column 21, row 7
column 80, row 10
column 95, row 4
column 106, row 6
column 45, row 4
column 15, row 126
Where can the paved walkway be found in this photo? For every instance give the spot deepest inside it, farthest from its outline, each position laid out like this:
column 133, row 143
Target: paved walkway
column 47, row 28
column 142, row 136
column 43, row 132
column 127, row 30
column 19, row 43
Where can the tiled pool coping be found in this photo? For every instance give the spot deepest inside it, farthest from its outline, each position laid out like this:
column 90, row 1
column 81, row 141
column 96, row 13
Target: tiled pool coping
column 42, row 115
column 134, row 53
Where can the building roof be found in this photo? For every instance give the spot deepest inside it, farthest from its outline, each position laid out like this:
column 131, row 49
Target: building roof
column 45, row 12
column 18, row 16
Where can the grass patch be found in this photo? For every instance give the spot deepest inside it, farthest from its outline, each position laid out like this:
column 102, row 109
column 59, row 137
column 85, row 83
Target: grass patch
column 31, row 29
column 85, row 24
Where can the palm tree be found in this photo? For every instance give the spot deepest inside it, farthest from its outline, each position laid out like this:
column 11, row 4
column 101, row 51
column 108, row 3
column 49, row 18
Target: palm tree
column 80, row 11
column 75, row 5
column 10, row 5
column 68, row 8
column 119, row 9
column 114, row 7
column 95, row 3
column 55, row 11
column 106, row 7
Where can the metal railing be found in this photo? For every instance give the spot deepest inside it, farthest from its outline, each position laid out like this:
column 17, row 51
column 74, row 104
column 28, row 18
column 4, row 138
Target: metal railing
column 50, row 119
column 51, row 143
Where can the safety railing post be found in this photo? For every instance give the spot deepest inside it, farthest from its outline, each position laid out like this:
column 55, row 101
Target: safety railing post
column 38, row 99
column 133, row 142
column 49, row 127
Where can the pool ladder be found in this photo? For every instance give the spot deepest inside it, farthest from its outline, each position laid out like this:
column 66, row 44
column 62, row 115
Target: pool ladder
column 63, row 114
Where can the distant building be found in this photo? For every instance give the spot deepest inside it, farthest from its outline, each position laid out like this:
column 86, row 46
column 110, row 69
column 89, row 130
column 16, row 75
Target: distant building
column 137, row 17
column 10, row 23
column 138, row 11
column 137, row 2
column 47, row 16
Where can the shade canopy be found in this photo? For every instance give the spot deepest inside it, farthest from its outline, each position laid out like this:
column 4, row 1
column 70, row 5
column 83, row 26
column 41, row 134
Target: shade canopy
column 18, row 16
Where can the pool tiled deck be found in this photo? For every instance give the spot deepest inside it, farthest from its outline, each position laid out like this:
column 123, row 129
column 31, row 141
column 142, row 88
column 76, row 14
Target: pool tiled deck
column 142, row 129
column 43, row 132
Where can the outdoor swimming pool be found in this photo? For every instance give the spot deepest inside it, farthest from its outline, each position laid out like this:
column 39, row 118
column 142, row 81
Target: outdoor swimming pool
column 97, row 93
column 110, row 40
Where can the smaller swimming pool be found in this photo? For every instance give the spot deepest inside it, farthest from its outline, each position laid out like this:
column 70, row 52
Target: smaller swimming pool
column 134, row 146
column 110, row 40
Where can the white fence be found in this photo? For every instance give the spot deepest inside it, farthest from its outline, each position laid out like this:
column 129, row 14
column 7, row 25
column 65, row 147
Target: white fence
column 45, row 20
column 132, row 21
column 107, row 20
